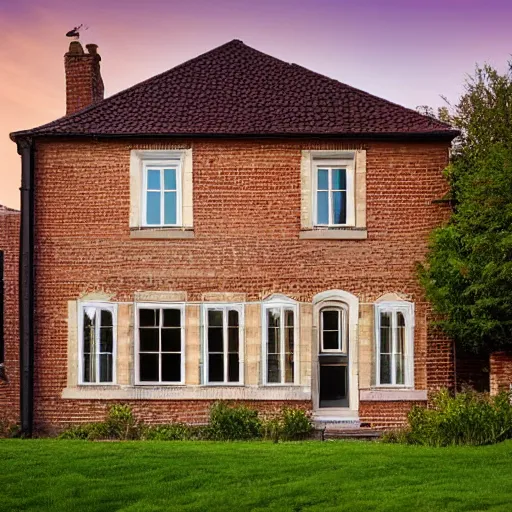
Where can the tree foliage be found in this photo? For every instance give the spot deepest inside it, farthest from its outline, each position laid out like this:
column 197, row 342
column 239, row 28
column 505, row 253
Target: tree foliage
column 468, row 273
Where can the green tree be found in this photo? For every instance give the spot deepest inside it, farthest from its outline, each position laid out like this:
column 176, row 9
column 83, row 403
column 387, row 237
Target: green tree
column 468, row 272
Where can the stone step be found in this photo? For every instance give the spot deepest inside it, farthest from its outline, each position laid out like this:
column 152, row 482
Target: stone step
column 360, row 434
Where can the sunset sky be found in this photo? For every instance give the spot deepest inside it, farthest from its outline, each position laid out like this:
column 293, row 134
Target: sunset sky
column 407, row 51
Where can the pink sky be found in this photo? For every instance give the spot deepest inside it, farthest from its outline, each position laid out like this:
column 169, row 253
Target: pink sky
column 407, row 51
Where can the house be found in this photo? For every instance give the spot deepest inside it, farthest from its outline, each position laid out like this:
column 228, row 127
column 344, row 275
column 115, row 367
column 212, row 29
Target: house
column 9, row 335
column 234, row 228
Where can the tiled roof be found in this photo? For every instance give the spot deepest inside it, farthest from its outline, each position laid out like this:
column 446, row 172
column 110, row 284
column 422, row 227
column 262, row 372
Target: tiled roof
column 5, row 209
column 237, row 90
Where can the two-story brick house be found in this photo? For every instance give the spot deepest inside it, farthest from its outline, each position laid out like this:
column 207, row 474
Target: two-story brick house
column 235, row 228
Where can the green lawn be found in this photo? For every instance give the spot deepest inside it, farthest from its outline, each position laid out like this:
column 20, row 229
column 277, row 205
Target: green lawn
column 163, row 476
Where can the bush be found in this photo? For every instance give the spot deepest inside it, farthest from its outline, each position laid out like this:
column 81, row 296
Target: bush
column 87, row 432
column 171, row 432
column 469, row 418
column 233, row 422
column 290, row 425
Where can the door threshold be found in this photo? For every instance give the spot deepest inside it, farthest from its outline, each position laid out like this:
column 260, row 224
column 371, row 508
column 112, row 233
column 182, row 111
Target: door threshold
column 335, row 414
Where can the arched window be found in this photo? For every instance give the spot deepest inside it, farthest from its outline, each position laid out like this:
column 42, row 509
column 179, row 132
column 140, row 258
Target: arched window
column 394, row 327
column 280, row 340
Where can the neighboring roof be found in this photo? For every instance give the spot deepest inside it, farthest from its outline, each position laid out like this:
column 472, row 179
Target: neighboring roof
column 237, row 90
column 6, row 210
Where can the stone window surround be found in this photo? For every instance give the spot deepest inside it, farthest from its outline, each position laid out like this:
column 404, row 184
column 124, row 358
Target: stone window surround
column 252, row 389
column 308, row 230
column 140, row 157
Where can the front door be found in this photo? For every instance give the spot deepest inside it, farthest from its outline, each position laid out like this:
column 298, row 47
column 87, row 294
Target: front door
column 333, row 359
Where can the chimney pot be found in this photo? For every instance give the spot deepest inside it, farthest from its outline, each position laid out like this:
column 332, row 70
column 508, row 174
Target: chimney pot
column 92, row 48
column 75, row 47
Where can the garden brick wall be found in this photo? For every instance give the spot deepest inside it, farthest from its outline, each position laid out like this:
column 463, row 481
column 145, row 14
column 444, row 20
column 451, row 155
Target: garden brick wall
column 9, row 389
column 247, row 197
column 500, row 366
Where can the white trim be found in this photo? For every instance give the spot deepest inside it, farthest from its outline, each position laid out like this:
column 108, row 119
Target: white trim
column 157, row 305
column 160, row 165
column 335, row 163
column 407, row 309
column 281, row 302
column 225, row 308
column 392, row 395
column 99, row 305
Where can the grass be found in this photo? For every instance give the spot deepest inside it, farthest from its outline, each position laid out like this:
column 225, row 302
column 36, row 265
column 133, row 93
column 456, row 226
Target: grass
column 205, row 476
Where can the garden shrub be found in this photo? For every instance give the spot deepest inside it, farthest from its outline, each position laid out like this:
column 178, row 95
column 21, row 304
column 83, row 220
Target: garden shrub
column 290, row 425
column 233, row 422
column 170, row 432
column 469, row 418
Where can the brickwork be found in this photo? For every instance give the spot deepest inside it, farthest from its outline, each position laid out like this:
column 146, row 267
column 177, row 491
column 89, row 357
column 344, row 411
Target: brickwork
column 385, row 415
column 500, row 364
column 247, row 203
column 9, row 389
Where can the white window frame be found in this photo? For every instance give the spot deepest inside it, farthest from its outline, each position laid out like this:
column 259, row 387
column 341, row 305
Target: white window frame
column 224, row 307
column 407, row 309
column 281, row 302
column 348, row 165
column 171, row 163
column 107, row 306
column 342, row 329
column 159, row 305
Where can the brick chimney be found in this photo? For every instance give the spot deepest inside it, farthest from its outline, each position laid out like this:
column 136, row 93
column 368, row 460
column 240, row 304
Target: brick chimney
column 84, row 85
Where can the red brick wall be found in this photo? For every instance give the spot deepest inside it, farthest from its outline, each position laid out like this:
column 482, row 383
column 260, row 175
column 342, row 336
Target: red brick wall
column 500, row 364
column 9, row 391
column 247, row 221
column 386, row 415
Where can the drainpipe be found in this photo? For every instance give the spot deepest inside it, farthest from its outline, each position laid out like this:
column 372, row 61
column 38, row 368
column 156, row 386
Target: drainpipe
column 26, row 286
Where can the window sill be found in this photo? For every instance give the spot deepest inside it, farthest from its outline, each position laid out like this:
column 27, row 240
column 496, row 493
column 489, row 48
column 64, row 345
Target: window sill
column 392, row 395
column 186, row 392
column 334, row 234
column 161, row 233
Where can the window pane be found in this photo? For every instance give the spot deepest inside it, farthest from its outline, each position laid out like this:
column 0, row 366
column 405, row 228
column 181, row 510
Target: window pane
column 331, row 340
column 171, row 340
column 273, row 373
column 215, row 368
column 106, row 318
column 215, row 318
column 89, row 331
column 385, row 369
column 153, row 208
column 171, row 317
column 400, row 333
column 170, row 179
column 149, row 317
column 233, row 339
column 330, row 320
column 288, row 316
column 385, row 333
column 322, row 207
column 273, row 317
column 148, row 367
column 170, row 208
column 399, row 365
column 288, row 370
column 89, row 370
column 148, row 339
column 106, row 339
column 233, row 318
column 153, row 179
column 339, row 206
column 215, row 339
column 323, row 179
column 274, row 340
column 105, row 367
column 289, row 340
column 233, row 368
column 171, row 367
column 339, row 179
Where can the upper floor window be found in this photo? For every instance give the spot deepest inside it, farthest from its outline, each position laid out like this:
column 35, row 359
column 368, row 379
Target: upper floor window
column 333, row 193
column 162, row 194
column 223, row 344
column 280, row 341
column 160, row 344
column 394, row 334
column 97, row 341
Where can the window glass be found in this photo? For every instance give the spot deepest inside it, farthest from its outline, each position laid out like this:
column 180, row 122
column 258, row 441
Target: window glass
column 223, row 345
column 331, row 196
column 97, row 340
column 331, row 334
column 160, row 344
column 161, row 196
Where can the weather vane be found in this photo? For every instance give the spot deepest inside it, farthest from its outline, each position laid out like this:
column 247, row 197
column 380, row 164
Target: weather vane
column 75, row 34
